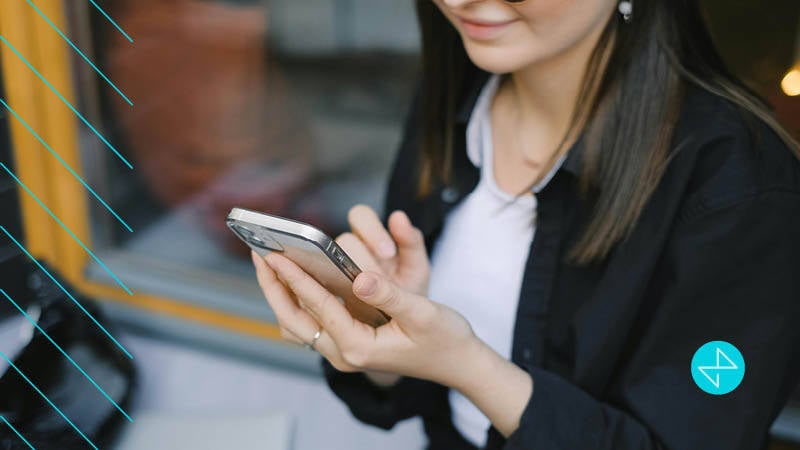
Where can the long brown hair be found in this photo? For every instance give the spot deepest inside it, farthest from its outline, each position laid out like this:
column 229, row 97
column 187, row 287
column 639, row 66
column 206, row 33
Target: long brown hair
column 628, row 107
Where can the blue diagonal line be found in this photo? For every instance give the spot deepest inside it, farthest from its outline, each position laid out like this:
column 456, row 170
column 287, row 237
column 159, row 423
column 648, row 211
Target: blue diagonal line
column 44, row 333
column 119, row 282
column 17, row 433
column 55, row 91
column 111, row 20
column 48, row 400
column 64, row 163
column 85, row 58
column 77, row 303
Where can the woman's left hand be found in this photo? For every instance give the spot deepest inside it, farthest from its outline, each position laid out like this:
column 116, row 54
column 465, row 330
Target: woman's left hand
column 424, row 339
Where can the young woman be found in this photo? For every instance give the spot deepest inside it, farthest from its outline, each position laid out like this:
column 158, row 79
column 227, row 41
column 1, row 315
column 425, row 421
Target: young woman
column 598, row 198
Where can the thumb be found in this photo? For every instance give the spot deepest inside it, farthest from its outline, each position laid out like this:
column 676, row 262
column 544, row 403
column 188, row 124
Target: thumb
column 378, row 291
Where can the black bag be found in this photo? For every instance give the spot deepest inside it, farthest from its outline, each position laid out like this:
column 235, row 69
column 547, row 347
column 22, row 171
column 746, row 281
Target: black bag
column 54, row 374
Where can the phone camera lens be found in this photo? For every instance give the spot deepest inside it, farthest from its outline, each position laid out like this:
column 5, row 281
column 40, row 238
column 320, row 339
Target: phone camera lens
column 258, row 242
column 258, row 238
column 243, row 231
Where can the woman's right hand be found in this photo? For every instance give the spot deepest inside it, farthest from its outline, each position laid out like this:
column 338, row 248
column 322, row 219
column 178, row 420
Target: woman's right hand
column 398, row 253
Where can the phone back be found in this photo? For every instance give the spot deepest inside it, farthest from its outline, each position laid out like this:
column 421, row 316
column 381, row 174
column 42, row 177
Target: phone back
column 312, row 250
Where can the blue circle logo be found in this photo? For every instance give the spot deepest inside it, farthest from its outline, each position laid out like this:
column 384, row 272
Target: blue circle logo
column 717, row 367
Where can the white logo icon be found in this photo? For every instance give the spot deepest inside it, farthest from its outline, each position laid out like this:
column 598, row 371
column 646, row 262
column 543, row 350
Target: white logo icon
column 717, row 367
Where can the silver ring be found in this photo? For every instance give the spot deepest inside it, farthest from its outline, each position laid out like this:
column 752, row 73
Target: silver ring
column 314, row 340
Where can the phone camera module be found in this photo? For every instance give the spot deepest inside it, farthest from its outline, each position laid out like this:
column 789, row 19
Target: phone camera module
column 258, row 242
column 243, row 231
column 257, row 238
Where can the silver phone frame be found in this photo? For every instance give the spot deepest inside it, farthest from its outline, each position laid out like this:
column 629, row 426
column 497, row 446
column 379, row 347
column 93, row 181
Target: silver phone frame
column 302, row 230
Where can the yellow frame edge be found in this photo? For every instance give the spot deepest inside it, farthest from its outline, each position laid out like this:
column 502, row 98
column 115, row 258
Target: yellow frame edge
column 58, row 126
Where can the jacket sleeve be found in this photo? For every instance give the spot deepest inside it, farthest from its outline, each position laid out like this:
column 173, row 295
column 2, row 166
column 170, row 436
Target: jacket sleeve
column 729, row 274
column 382, row 406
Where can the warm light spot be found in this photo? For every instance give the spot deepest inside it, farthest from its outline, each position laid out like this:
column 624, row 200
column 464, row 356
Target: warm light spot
column 791, row 82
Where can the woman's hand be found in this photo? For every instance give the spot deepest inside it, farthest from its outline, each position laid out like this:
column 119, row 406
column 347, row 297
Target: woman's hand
column 424, row 339
column 398, row 253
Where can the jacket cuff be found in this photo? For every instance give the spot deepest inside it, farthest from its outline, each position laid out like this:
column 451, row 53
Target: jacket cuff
column 558, row 415
column 378, row 405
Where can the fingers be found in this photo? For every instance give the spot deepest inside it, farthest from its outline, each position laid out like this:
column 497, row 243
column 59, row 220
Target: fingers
column 323, row 305
column 289, row 314
column 357, row 250
column 324, row 346
column 366, row 224
column 287, row 335
column 410, row 241
column 296, row 324
column 405, row 307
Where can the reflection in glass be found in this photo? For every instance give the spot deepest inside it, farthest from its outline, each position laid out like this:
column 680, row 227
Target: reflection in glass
column 292, row 108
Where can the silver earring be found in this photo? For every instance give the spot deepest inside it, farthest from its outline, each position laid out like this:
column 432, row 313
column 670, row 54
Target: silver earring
column 626, row 9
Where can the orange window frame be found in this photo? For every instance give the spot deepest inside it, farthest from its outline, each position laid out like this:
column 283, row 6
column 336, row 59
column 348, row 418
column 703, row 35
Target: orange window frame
column 33, row 37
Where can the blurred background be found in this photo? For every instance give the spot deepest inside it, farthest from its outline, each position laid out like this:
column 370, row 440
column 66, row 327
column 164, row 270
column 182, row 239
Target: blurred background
column 290, row 107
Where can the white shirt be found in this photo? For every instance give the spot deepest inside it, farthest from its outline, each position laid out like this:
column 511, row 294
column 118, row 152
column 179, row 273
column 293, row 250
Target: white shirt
column 478, row 260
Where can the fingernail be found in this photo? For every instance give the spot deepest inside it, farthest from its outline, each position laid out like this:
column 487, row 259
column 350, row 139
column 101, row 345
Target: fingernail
column 366, row 285
column 386, row 249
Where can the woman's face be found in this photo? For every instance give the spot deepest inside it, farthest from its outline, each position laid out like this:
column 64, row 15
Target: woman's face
column 502, row 37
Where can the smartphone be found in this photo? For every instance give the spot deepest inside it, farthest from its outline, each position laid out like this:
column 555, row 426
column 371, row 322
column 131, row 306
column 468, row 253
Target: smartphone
column 312, row 250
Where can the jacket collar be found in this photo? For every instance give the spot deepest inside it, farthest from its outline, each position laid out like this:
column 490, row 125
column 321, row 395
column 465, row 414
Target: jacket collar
column 574, row 160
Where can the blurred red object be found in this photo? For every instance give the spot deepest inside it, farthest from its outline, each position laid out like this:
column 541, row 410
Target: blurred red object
column 211, row 120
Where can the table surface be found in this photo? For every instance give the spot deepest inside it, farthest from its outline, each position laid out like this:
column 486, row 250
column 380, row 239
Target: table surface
column 165, row 431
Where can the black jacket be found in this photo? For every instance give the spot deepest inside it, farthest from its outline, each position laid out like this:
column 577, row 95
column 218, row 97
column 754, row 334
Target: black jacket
column 714, row 256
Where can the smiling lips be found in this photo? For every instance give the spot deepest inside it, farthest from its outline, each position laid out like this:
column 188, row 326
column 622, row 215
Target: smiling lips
column 484, row 29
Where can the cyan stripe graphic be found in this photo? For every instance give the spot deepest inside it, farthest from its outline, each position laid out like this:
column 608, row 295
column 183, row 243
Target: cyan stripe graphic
column 88, row 314
column 55, row 91
column 48, row 400
column 33, row 322
column 119, row 282
column 64, row 163
column 112, row 21
column 85, row 58
column 17, row 433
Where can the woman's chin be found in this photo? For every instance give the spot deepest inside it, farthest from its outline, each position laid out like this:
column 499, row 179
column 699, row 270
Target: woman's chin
column 495, row 60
